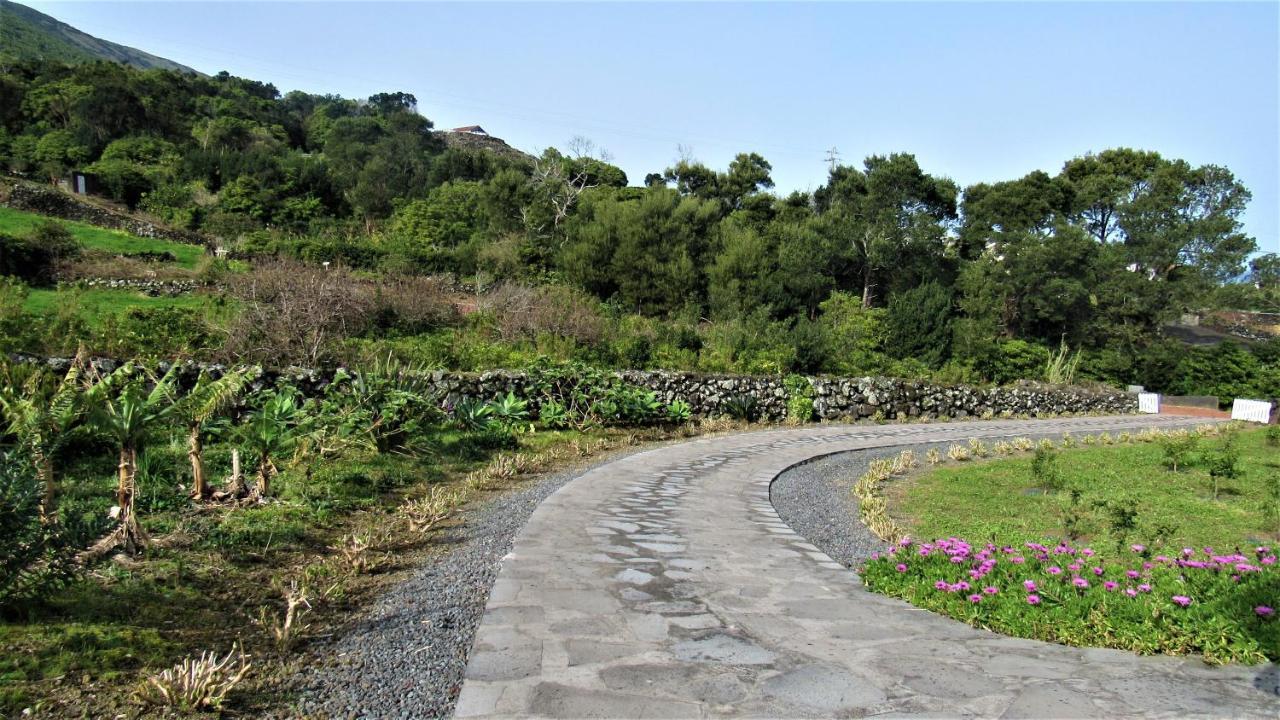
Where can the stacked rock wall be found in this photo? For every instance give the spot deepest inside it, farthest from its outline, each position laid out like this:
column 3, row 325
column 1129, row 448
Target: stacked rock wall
column 54, row 203
column 834, row 398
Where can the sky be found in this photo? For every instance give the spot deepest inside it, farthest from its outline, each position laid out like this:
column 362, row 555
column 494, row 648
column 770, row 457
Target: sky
column 977, row 91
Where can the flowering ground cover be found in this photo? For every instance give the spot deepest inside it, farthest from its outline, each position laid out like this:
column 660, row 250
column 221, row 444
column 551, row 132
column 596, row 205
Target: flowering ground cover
column 1121, row 551
column 1223, row 605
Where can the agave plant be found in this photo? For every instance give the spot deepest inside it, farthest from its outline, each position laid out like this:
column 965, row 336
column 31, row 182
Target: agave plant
column 471, row 414
column 741, row 407
column 510, row 411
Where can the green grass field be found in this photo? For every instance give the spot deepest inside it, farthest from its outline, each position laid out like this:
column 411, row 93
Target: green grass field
column 96, row 304
column 17, row 222
column 998, row 499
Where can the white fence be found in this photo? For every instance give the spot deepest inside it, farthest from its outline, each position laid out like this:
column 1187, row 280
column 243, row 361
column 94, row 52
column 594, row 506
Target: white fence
column 1251, row 410
column 1148, row 403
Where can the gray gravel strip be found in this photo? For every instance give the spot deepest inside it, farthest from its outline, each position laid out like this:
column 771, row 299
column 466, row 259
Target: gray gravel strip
column 815, row 498
column 406, row 656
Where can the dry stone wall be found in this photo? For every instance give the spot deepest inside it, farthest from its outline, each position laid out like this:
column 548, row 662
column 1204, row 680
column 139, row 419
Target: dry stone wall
column 834, row 398
column 54, row 203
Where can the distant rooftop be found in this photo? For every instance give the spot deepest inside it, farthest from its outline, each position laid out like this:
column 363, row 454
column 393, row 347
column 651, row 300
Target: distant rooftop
column 472, row 129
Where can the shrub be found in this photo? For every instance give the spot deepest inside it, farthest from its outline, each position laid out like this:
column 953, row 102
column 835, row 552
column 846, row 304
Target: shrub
column 35, row 558
column 799, row 399
column 522, row 312
column 1045, row 470
column 1224, row 463
column 1178, row 446
column 1273, row 435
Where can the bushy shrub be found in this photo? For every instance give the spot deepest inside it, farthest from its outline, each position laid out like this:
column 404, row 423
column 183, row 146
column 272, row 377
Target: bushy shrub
column 799, row 399
column 35, row 558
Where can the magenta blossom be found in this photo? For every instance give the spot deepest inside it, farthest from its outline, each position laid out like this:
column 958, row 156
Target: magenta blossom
column 1133, row 574
column 991, row 590
column 975, row 598
column 1080, row 582
column 1033, row 599
column 1110, row 586
column 1182, row 600
column 900, row 567
column 1144, row 588
column 1097, row 571
column 1054, row 570
column 1137, row 548
column 1030, row 585
column 1131, row 592
column 1264, row 612
column 941, row 585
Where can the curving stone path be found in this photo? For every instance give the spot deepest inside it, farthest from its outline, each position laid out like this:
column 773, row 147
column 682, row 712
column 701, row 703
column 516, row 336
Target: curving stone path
column 665, row 585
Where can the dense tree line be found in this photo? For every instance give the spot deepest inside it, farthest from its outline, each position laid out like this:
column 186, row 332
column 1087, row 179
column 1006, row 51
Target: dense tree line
column 884, row 268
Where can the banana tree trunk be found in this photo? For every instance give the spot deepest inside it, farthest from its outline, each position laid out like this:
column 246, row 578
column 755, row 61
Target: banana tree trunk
column 125, row 478
column 264, row 476
column 199, row 486
column 49, row 483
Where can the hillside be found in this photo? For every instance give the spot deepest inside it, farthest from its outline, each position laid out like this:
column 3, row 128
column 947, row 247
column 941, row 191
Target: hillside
column 28, row 34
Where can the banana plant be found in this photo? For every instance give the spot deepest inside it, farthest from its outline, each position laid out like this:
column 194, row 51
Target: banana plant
column 272, row 430
column 42, row 418
column 209, row 398
column 125, row 406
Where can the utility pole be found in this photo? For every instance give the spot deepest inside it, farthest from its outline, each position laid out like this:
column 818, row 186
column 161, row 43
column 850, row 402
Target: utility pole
column 833, row 155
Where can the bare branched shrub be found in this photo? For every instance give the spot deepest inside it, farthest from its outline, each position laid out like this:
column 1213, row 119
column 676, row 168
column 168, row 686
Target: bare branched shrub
column 423, row 514
column 522, row 312
column 356, row 551
column 196, row 683
column 293, row 312
column 286, row 626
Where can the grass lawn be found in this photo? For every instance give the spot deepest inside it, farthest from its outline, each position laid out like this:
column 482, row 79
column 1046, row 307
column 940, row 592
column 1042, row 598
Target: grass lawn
column 96, row 303
column 998, row 500
column 17, row 222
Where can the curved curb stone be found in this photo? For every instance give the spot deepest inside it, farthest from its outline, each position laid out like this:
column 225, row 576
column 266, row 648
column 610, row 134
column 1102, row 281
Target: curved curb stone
column 665, row 585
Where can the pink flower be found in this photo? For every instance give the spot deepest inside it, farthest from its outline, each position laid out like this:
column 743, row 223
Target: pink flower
column 941, row 585
column 1131, row 592
column 991, row 590
column 900, row 567
column 1097, row 571
column 1054, row 570
column 1074, row 567
column 962, row 585
column 1080, row 582
column 875, row 556
column 1137, row 548
column 1017, row 559
column 1182, row 600
column 1110, row 586
column 1144, row 588
column 1087, row 552
column 1264, row 611
column 1268, row 560
column 1030, row 585
column 1033, row 599
column 1133, row 574
column 975, row 598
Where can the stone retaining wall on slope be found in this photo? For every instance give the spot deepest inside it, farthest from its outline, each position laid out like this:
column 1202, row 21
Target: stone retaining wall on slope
column 834, row 398
column 54, row 203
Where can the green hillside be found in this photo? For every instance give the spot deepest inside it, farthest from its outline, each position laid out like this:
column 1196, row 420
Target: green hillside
column 27, row 34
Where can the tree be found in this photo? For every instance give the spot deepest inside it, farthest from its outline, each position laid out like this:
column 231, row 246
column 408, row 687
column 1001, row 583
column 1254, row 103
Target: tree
column 125, row 406
column 918, row 322
column 207, row 399
column 891, row 214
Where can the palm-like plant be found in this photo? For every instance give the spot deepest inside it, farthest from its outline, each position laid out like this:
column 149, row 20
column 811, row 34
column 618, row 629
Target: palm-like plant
column 41, row 416
column 209, row 398
column 270, row 431
column 122, row 407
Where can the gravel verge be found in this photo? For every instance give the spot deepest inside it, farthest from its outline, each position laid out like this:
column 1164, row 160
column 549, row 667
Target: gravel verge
column 815, row 498
column 405, row 657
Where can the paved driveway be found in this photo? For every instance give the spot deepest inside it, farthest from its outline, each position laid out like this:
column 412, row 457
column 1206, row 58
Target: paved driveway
column 665, row 585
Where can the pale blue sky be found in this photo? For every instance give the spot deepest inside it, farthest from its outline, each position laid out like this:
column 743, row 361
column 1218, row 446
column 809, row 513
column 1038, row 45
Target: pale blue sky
column 978, row 92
